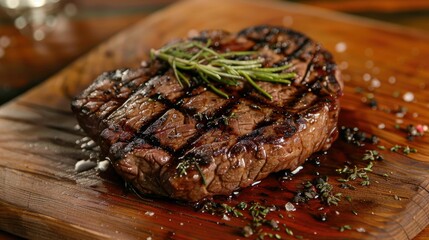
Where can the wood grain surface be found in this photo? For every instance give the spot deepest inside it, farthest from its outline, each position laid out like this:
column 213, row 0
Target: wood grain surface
column 41, row 196
column 368, row 5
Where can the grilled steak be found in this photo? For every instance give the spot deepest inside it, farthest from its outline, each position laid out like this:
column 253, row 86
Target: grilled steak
column 189, row 143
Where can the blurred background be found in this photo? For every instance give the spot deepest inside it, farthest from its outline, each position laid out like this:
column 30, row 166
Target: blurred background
column 40, row 37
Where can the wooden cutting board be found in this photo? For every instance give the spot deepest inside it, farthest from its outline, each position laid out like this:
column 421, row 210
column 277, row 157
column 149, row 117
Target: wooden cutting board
column 41, row 196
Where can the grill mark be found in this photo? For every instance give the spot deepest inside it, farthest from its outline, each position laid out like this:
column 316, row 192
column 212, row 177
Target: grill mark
column 216, row 117
column 155, row 142
column 92, row 121
column 303, row 89
column 170, row 105
column 298, row 51
column 244, row 93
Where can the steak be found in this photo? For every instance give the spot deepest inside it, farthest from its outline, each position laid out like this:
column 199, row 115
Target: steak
column 189, row 143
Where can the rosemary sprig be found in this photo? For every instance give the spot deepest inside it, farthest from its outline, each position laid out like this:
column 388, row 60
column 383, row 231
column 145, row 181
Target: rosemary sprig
column 213, row 67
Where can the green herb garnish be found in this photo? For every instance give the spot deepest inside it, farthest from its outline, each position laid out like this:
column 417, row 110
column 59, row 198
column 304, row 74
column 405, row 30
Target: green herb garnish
column 345, row 227
column 395, row 148
column 288, row 231
column 224, row 68
column 372, row 155
column 354, row 173
column 182, row 168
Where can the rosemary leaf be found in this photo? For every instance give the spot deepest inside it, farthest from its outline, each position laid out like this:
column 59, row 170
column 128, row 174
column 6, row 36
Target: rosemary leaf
column 221, row 68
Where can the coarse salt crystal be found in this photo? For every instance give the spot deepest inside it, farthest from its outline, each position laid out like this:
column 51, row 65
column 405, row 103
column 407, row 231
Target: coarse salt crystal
column 408, row 97
column 103, row 165
column 4, row 41
column 375, row 83
column 290, row 207
column 381, row 126
column 84, row 165
column 341, row 47
column 149, row 213
column 297, row 170
column 400, row 115
column 366, row 77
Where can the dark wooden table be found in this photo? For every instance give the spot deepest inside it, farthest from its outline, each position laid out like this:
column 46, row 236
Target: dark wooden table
column 25, row 62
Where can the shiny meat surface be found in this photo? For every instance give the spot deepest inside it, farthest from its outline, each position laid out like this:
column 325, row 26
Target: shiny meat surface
column 189, row 143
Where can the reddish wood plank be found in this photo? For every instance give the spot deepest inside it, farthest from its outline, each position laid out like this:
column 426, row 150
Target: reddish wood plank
column 379, row 6
column 41, row 195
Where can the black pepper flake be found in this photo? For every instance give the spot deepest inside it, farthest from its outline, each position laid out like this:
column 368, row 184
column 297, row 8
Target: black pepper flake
column 373, row 103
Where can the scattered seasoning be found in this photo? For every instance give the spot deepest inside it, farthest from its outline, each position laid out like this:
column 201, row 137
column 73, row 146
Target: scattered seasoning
column 226, row 119
column 344, row 185
column 415, row 131
column 372, row 155
column 373, row 103
column 247, row 231
column 354, row 212
column 318, row 188
column 149, row 213
column 242, row 205
column 84, row 165
column 351, row 174
column 349, row 199
column 341, row 47
column 345, row 227
column 356, row 137
column 395, row 148
column 397, row 198
column 288, row 231
column 405, row 149
column 323, row 217
column 408, row 97
column 401, row 112
column 290, row 207
column 375, row 83
column 381, row 147
column 391, row 79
